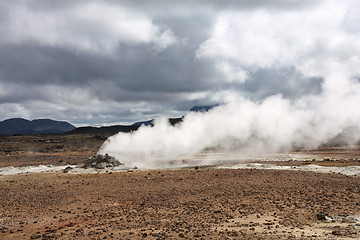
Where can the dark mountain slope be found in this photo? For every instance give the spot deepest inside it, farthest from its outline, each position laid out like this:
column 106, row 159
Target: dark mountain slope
column 118, row 128
column 19, row 126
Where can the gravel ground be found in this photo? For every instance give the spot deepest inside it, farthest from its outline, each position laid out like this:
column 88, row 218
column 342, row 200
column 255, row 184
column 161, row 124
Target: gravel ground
column 191, row 203
column 171, row 204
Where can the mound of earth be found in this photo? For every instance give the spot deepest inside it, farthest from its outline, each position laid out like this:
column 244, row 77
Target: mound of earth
column 100, row 162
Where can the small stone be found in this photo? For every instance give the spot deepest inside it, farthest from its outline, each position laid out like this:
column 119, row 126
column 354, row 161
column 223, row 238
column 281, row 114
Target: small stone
column 321, row 216
column 67, row 169
column 269, row 223
column 348, row 220
column 100, row 165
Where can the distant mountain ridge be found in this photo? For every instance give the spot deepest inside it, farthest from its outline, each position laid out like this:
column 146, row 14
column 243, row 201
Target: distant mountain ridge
column 135, row 126
column 204, row 108
column 118, row 128
column 146, row 123
column 20, row 126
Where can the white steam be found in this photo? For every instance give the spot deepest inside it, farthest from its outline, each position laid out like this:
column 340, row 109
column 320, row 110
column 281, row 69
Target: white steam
column 272, row 125
column 321, row 42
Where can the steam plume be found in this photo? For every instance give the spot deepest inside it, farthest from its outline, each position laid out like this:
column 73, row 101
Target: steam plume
column 272, row 125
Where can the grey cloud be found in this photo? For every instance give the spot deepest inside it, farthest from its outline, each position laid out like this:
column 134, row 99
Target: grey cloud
column 285, row 80
column 171, row 8
column 32, row 63
column 134, row 69
column 133, row 81
column 135, row 75
column 186, row 7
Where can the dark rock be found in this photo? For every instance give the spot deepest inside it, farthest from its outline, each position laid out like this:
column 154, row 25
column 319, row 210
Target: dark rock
column 67, row 169
column 3, row 227
column 321, row 216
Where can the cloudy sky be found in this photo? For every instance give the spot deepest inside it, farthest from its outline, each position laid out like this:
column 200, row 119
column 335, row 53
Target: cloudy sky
column 105, row 62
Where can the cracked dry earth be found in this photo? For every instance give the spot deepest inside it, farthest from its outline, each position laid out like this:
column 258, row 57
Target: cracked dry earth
column 185, row 203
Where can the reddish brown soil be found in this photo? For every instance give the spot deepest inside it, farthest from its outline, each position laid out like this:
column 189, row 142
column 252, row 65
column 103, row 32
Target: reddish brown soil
column 20, row 151
column 199, row 203
column 207, row 203
column 327, row 157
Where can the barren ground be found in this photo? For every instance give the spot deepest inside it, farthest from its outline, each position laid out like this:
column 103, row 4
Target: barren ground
column 202, row 203
column 20, row 151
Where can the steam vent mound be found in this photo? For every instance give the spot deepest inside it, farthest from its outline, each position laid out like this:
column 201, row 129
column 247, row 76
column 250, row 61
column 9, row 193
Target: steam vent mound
column 100, row 162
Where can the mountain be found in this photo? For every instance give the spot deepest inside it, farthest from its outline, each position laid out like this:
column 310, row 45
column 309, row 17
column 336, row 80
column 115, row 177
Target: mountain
column 15, row 126
column 118, row 128
column 146, row 123
column 103, row 130
column 203, row 108
column 172, row 121
column 135, row 126
column 20, row 126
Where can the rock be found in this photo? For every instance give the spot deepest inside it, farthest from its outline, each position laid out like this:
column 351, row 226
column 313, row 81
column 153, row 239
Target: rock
column 100, row 165
column 269, row 223
column 321, row 216
column 67, row 169
column 100, row 162
column 3, row 227
column 348, row 220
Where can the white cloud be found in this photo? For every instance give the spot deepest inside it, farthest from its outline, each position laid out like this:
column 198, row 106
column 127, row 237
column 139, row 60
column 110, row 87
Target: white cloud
column 164, row 40
column 231, row 73
column 13, row 110
column 91, row 26
column 312, row 40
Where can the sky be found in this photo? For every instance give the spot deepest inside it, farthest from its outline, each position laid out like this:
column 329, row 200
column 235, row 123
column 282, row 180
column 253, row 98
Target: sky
column 107, row 62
